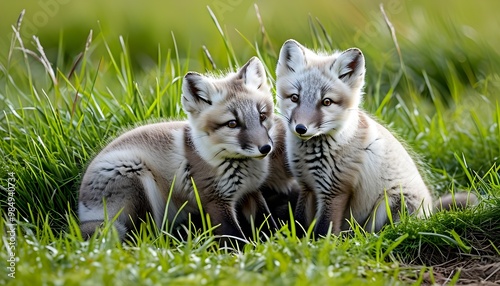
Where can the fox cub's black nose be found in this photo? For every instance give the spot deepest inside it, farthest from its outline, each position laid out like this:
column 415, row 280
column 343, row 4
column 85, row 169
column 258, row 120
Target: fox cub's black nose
column 301, row 129
column 264, row 149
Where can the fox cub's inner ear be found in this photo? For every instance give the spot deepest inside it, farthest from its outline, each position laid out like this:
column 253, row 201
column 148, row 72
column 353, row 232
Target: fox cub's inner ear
column 253, row 73
column 350, row 67
column 196, row 92
column 291, row 59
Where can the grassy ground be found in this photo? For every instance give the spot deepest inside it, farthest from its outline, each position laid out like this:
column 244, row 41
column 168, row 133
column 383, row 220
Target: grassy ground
column 440, row 91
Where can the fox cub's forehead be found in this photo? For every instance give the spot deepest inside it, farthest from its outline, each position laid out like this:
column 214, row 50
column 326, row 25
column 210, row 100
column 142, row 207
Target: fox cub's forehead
column 310, row 78
column 235, row 90
column 228, row 88
column 321, row 58
column 249, row 105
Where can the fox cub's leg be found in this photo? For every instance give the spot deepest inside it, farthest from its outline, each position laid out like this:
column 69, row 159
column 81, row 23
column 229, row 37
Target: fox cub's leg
column 229, row 221
column 305, row 209
column 280, row 203
column 127, row 188
column 254, row 208
column 223, row 215
column 331, row 214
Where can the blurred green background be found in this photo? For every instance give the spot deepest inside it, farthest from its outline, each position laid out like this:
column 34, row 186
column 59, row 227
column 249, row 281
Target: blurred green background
column 148, row 24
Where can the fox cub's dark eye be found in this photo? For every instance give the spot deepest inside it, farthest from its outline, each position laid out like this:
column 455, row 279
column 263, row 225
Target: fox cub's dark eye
column 263, row 116
column 294, row 97
column 327, row 102
column 232, row 124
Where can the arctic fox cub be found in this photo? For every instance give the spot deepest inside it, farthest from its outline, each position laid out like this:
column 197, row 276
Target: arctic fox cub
column 346, row 163
column 223, row 147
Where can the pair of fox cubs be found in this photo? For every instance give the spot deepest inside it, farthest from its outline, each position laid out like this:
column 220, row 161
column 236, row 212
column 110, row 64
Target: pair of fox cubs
column 322, row 153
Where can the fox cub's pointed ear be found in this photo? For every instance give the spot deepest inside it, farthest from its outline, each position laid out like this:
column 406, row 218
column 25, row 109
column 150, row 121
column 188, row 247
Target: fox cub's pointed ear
column 292, row 58
column 196, row 92
column 350, row 67
column 253, row 73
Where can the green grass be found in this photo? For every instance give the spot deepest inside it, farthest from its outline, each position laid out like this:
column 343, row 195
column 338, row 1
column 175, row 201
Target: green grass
column 58, row 110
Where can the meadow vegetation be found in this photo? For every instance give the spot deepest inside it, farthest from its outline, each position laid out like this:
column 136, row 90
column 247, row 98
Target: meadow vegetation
column 64, row 93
